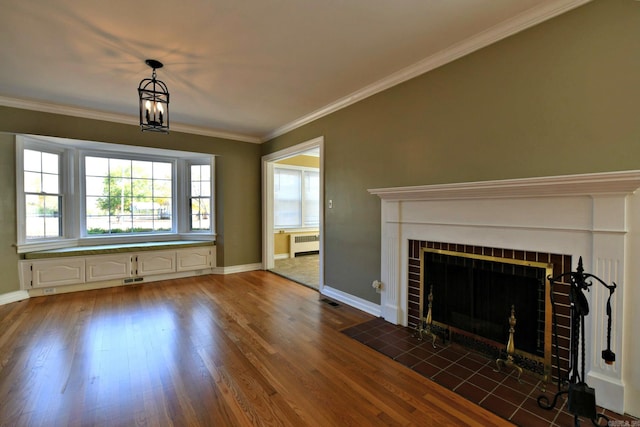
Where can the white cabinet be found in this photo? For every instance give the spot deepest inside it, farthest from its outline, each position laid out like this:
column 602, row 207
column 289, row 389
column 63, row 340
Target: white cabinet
column 57, row 272
column 108, row 267
column 190, row 259
column 155, row 262
column 135, row 266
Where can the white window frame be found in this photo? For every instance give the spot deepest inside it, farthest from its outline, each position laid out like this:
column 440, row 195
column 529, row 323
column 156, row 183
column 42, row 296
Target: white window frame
column 186, row 224
column 303, row 209
column 73, row 210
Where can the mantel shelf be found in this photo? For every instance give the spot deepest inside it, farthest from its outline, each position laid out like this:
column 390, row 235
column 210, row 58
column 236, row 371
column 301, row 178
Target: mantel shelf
column 609, row 183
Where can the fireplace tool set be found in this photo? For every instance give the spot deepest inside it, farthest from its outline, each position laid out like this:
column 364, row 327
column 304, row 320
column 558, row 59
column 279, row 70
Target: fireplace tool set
column 581, row 399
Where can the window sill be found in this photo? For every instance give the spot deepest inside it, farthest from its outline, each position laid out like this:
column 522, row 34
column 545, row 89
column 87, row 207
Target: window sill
column 115, row 248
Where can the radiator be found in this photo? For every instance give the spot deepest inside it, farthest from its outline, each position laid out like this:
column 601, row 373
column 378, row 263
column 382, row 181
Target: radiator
column 303, row 243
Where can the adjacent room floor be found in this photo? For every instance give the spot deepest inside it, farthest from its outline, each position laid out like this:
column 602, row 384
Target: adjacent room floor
column 303, row 269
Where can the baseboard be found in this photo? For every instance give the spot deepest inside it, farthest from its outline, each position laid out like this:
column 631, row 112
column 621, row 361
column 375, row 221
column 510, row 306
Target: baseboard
column 281, row 256
column 353, row 301
column 15, row 296
column 237, row 268
column 610, row 391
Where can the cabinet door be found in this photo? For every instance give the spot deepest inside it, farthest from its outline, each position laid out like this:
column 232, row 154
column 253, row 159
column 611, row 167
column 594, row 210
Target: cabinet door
column 155, row 262
column 58, row 272
column 108, row 267
column 197, row 258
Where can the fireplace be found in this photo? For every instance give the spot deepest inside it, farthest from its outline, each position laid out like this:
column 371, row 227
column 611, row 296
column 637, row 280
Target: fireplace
column 472, row 291
column 593, row 216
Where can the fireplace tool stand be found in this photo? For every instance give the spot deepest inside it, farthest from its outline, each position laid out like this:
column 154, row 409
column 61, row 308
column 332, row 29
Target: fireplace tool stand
column 581, row 399
column 424, row 327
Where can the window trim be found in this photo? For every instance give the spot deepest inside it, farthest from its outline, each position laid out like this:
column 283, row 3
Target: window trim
column 73, row 153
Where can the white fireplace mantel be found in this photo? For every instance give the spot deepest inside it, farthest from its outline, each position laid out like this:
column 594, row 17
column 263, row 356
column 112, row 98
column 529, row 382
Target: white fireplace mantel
column 595, row 216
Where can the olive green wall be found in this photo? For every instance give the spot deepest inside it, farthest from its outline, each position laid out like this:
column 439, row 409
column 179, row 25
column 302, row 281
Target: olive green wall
column 237, row 198
column 560, row 98
column 8, row 236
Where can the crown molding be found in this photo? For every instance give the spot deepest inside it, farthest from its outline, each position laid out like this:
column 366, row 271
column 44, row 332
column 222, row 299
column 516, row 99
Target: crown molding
column 485, row 38
column 47, row 107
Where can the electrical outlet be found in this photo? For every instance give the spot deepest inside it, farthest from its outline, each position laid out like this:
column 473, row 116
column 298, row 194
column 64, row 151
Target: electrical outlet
column 377, row 285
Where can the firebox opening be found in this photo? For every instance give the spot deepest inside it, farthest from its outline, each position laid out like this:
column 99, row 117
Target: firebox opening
column 474, row 294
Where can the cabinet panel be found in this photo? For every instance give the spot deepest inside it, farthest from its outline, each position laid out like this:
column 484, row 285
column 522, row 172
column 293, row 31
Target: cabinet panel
column 108, row 267
column 197, row 258
column 156, row 263
column 58, row 272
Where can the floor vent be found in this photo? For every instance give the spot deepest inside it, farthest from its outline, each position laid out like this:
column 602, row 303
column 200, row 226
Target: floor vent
column 331, row 303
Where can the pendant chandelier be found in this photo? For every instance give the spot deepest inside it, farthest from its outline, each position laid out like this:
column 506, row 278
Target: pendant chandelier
column 154, row 102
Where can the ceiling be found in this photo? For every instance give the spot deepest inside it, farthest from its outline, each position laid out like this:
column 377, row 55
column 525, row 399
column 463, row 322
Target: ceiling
column 247, row 70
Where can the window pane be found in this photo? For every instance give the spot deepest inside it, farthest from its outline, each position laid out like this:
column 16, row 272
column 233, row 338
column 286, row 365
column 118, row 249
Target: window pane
column 50, row 163
column 32, row 161
column 32, row 182
column 97, row 224
column 162, row 189
column 142, row 187
column 120, row 224
column 142, row 224
column 42, row 216
column 119, row 167
column 51, row 216
column 200, row 214
column 97, row 206
column 311, row 199
column 162, row 170
column 205, row 172
column 50, row 184
column 195, row 189
column 34, row 216
column 205, row 188
column 162, row 218
column 142, row 169
column 195, row 172
column 96, row 186
column 287, row 198
column 96, row 166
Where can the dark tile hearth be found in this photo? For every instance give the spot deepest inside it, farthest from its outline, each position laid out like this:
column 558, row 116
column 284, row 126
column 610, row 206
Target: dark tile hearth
column 472, row 376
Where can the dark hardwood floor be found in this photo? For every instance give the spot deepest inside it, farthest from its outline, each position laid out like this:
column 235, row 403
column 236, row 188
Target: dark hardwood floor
column 242, row 349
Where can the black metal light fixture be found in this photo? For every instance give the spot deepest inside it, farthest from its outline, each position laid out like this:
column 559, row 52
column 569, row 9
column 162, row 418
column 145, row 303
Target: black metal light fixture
column 154, row 102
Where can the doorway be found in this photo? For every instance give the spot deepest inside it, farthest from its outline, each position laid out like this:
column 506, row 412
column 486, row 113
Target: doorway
column 305, row 267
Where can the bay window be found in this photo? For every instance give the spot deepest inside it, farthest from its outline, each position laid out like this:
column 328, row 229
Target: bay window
column 78, row 192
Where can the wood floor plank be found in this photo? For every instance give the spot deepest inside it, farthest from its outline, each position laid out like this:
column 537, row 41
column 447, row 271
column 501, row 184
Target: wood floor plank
column 242, row 349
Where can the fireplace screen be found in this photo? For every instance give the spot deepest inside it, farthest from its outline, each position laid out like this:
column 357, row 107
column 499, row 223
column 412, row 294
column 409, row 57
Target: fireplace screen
column 473, row 295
